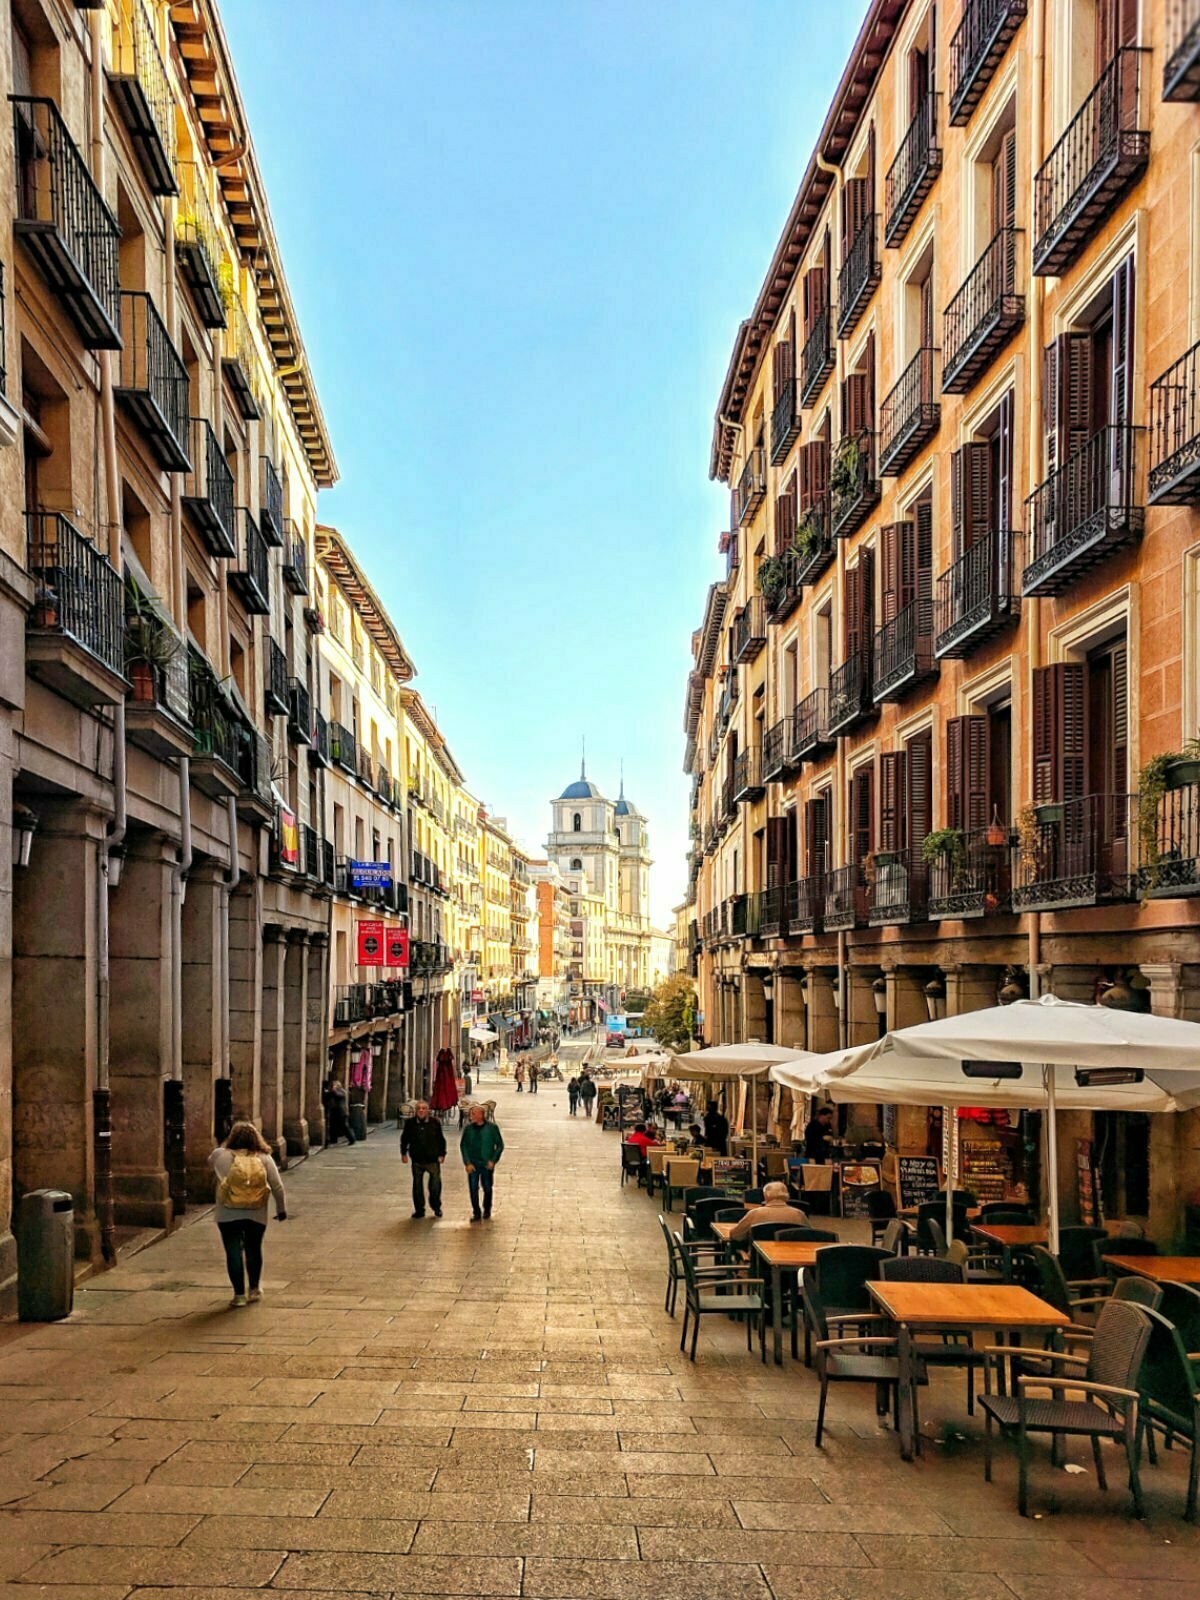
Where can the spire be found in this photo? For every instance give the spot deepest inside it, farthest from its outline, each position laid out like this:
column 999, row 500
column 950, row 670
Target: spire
column 622, row 794
column 583, row 758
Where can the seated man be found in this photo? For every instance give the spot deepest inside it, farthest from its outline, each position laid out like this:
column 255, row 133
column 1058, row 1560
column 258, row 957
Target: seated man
column 640, row 1137
column 776, row 1207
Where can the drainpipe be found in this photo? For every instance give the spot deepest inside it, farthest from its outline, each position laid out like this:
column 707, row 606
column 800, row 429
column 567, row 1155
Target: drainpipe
column 1037, row 289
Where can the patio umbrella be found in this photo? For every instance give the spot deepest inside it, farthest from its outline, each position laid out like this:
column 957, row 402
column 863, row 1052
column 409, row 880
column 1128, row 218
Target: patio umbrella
column 1036, row 1055
column 482, row 1035
column 445, row 1088
column 746, row 1063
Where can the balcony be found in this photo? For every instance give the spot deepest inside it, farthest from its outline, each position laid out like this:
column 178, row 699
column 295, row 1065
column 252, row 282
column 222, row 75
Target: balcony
column 910, row 415
column 1100, row 155
column 218, row 732
column 817, row 360
column 976, row 50
column 1175, row 434
column 811, row 732
column 785, row 422
column 911, row 175
column 366, row 767
column 804, row 905
column 813, row 543
column 779, row 583
column 343, row 748
column 252, row 580
column 75, row 634
column 903, row 654
column 845, row 899
column 239, row 363
column 770, row 913
column 327, row 866
column 383, row 786
column 751, row 487
column 270, row 503
column 1075, row 853
column 983, row 316
column 310, row 853
column 299, row 712
column 728, row 801
column 198, row 248
column 293, row 564
column 256, row 796
column 973, row 878
column 1181, row 75
column 777, row 750
column 152, row 383
column 143, row 95
column 65, row 224
column 853, row 486
column 351, row 1003
column 275, row 685
column 1170, row 846
column 157, row 709
column 851, row 697
column 979, row 595
column 1083, row 512
column 747, row 775
column 896, row 889
column 858, row 277
column 749, row 630
column 318, row 750
column 208, row 491
column 743, row 916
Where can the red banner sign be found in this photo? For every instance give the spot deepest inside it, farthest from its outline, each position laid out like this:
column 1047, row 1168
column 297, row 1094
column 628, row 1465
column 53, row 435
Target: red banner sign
column 370, row 944
column 395, row 947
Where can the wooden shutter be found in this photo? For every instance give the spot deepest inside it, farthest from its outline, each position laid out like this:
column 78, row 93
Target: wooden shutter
column 970, row 494
column 862, row 814
column 1120, row 392
column 918, row 790
column 869, row 386
column 777, row 830
column 922, row 537
column 968, row 762
column 1120, row 719
column 893, row 774
column 852, row 611
column 803, row 480
column 889, row 573
column 785, row 515
column 1059, row 732
column 855, row 410
column 816, row 841
column 866, row 596
column 1067, row 397
column 907, row 563
column 817, row 456
column 869, row 181
column 791, row 856
column 1000, row 495
column 927, row 311
column 1004, row 183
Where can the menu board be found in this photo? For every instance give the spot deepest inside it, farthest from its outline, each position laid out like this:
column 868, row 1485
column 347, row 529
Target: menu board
column 858, row 1180
column 730, row 1173
column 917, row 1180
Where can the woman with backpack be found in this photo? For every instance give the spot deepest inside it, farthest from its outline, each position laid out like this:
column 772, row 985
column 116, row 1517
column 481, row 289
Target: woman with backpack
column 246, row 1177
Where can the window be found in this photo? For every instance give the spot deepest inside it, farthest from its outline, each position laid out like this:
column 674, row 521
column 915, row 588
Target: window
column 862, row 814
column 1081, row 726
column 858, row 614
column 1089, row 377
column 906, row 795
column 577, row 823
column 981, row 481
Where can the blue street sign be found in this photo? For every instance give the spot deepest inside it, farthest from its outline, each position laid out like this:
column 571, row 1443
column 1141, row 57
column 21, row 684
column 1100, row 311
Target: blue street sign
column 370, row 874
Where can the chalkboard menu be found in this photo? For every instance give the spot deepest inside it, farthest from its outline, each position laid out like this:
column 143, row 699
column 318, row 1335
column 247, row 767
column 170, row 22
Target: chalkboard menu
column 612, row 1115
column 917, row 1179
column 858, row 1180
column 730, row 1173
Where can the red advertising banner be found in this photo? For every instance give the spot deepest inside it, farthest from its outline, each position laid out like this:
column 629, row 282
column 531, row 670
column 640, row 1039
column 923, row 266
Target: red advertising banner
column 395, row 947
column 370, row 944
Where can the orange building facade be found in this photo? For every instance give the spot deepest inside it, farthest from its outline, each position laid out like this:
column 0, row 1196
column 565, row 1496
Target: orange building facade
column 957, row 635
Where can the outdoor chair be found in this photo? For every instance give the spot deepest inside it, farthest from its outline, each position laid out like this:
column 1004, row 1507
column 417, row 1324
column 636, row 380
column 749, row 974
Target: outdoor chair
column 1107, row 1376
column 1170, row 1389
column 631, row 1164
column 774, row 1164
column 771, row 1230
column 680, row 1173
column 881, row 1209
column 934, row 1211
column 794, row 1233
column 752, row 1197
column 845, row 1358
column 846, row 1270
column 895, row 1237
column 990, row 1209
column 701, row 1191
column 1118, row 1245
column 676, row 1250
column 729, row 1292
column 953, row 1349
column 1181, row 1305
column 698, row 1219
column 655, row 1157
column 979, row 1265
column 1137, row 1291
column 1078, row 1259
column 816, row 1183
column 1052, row 1286
column 1010, row 1217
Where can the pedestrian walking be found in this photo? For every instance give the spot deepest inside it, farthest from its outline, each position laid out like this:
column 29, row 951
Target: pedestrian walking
column 246, row 1176
column 481, row 1147
column 573, row 1095
column 519, row 1076
column 533, row 1077
column 337, row 1112
column 423, row 1143
column 587, row 1092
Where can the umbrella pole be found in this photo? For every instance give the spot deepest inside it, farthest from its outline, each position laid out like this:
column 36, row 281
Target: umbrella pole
column 1051, row 1154
column 951, row 1130
column 753, row 1133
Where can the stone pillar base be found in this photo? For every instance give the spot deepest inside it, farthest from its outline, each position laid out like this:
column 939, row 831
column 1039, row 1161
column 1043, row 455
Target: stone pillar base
column 279, row 1150
column 142, row 1200
column 296, row 1136
column 201, row 1185
column 8, row 1275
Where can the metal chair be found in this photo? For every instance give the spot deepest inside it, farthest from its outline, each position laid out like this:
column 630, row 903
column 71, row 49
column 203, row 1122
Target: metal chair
column 1137, row 1291
column 895, row 1237
column 631, row 1164
column 1010, row 1217
column 934, row 1211
column 843, row 1358
column 881, row 1209
column 954, row 1349
column 979, row 1265
column 1107, row 1376
column 1169, row 1384
column 1078, row 1258
column 1181, row 1305
column 699, row 1218
column 731, row 1293
column 675, row 1271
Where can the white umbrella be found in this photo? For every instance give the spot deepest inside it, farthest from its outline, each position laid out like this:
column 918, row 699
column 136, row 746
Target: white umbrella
column 1033, row 1054
column 746, row 1062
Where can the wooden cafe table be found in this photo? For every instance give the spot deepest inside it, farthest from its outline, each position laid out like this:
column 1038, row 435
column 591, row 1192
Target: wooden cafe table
column 962, row 1308
column 1163, row 1269
column 1012, row 1237
column 780, row 1256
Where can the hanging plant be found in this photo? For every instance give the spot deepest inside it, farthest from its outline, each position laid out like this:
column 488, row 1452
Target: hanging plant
column 1152, row 786
column 1029, row 841
column 948, row 844
column 808, row 533
column 772, row 577
column 844, row 471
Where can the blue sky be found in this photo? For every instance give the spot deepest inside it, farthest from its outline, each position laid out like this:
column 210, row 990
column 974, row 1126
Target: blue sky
column 520, row 235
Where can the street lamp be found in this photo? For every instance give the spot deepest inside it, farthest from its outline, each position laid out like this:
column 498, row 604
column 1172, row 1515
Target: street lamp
column 768, row 983
column 25, row 825
column 935, row 999
column 879, row 995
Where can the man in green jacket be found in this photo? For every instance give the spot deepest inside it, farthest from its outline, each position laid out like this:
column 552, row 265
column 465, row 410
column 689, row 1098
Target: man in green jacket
column 481, row 1146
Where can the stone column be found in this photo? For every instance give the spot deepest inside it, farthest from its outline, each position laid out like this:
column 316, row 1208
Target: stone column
column 970, row 989
column 862, row 1019
column 203, row 1021
column 822, row 1013
column 245, row 979
column 295, row 1041
column 754, row 1007
column 791, row 1021
column 1174, row 1137
column 316, row 1043
column 274, row 954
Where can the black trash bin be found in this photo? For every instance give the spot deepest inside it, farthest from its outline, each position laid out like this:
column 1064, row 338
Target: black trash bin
column 45, row 1255
column 358, row 1119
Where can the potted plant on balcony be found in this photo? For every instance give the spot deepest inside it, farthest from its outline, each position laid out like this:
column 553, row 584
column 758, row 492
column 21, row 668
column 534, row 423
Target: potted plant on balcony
column 845, row 469
column 1162, row 774
column 809, row 532
column 1029, row 842
column 948, row 845
column 151, row 644
column 772, row 578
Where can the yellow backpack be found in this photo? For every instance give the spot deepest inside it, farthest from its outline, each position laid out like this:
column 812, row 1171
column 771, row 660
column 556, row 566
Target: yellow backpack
column 244, row 1187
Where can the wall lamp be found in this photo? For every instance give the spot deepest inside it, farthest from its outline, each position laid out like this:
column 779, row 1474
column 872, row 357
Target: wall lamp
column 25, row 825
column 935, row 999
column 879, row 995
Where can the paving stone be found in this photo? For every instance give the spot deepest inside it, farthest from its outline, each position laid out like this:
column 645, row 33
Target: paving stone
column 66, row 1527
column 408, row 1575
column 236, row 1501
column 139, row 1565
column 642, row 1512
column 975, row 1555
column 639, row 1580
column 385, row 1535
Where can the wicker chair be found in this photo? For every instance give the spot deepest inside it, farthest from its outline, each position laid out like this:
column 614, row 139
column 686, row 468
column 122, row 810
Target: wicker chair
column 1170, row 1390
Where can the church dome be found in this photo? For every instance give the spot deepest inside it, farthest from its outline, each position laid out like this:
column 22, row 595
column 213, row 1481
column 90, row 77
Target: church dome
column 623, row 808
column 581, row 789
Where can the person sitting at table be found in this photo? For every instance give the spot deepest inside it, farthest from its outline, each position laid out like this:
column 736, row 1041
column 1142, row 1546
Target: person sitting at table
column 696, row 1135
column 640, row 1137
column 776, row 1207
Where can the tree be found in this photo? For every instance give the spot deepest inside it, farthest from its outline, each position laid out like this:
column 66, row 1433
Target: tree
column 671, row 1011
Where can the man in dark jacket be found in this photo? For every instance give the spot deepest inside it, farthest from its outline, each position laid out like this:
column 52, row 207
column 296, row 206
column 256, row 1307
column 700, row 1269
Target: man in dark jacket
column 423, row 1139
column 716, row 1129
column 481, row 1148
column 587, row 1092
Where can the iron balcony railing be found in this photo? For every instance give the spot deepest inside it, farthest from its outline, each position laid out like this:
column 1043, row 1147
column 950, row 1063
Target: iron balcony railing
column 1084, row 511
column 747, row 774
column 217, row 729
column 817, row 361
column 252, row 579
column 1098, row 157
column 366, row 766
column 327, row 867
column 275, row 687
column 984, row 314
column 743, row 916
column 318, row 754
column 749, row 630
column 751, row 486
column 858, row 276
column 910, row 176
column 208, row 490
column 1181, row 74
column 976, row 50
column 299, row 711
column 910, row 414
column 383, row 785
column 972, row 877
column 351, row 1003
column 294, row 561
column 770, row 913
column 813, row 542
column 1169, row 854
column 728, row 800
column 853, row 485
column 310, row 852
column 804, row 904
column 198, row 246
column 65, row 224
column 1075, row 853
column 239, row 362
column 845, row 899
column 781, row 586
column 143, row 92
column 777, row 750
column 270, row 509
column 153, row 381
column 1175, row 433
column 810, row 725
column 850, row 692
column 77, row 590
column 979, row 595
column 896, row 888
column 343, row 749
column 785, row 421
column 903, row 654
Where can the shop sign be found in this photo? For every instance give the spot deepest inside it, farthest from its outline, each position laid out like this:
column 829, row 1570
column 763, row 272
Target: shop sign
column 370, row 944
column 370, row 874
column 289, row 838
column 395, row 947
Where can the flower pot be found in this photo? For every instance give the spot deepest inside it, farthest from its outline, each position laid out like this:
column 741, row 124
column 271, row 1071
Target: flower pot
column 1182, row 774
column 1052, row 812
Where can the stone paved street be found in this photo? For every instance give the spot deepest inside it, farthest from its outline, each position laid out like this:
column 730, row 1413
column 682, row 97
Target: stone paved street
column 422, row 1408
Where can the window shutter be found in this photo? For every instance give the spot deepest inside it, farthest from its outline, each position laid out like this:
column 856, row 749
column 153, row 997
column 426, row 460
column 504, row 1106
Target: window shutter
column 866, row 596
column 851, row 611
column 804, row 481
column 927, row 311
column 906, row 575
column 1069, row 418
column 816, row 829
column 889, row 573
column 817, row 456
column 869, row 182
column 1059, row 732
column 785, row 515
column 854, row 409
column 967, row 772
column 1120, row 712
column 818, row 291
column 869, row 385
column 1120, row 403
column 1000, row 495
column 919, row 790
column 862, row 813
column 970, row 494
column 1004, row 185
column 891, row 799
column 922, row 526
column 777, row 829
